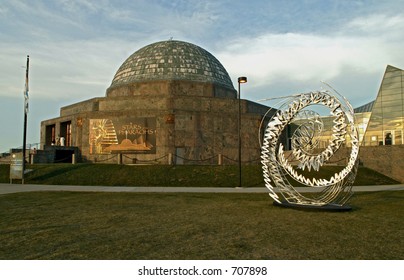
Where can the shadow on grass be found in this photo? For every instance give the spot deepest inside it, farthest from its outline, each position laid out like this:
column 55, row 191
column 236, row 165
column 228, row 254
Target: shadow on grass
column 37, row 174
column 163, row 175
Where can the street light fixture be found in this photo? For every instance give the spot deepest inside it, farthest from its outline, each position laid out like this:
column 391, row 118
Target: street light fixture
column 241, row 80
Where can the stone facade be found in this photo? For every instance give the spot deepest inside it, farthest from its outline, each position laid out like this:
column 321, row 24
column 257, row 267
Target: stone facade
column 387, row 159
column 198, row 128
column 151, row 114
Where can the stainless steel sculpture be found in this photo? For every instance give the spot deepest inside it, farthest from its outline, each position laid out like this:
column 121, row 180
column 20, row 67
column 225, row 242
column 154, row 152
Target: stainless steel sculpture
column 277, row 169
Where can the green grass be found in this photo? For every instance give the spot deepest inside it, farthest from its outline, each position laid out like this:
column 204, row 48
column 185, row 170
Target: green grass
column 164, row 175
column 67, row 225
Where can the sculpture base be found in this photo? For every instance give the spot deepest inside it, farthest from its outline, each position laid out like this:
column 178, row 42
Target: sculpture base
column 327, row 207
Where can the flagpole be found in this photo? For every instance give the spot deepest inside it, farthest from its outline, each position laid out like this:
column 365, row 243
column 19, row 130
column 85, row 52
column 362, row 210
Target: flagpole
column 24, row 142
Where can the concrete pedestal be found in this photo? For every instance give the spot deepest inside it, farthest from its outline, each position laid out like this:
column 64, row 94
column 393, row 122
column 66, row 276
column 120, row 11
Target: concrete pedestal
column 327, row 207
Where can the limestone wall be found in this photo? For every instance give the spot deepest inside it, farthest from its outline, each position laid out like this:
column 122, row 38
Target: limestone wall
column 388, row 160
column 173, row 87
column 84, row 106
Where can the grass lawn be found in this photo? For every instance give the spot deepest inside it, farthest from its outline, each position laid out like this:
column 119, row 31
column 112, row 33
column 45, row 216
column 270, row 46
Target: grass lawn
column 165, row 175
column 67, row 225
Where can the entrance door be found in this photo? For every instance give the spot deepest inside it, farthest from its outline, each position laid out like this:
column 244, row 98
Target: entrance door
column 50, row 136
column 389, row 137
column 66, row 132
column 179, row 156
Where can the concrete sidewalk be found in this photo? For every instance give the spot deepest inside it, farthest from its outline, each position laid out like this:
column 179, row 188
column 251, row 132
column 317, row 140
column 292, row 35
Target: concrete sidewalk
column 15, row 188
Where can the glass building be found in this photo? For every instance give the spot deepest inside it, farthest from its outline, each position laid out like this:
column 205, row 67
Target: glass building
column 386, row 113
column 379, row 122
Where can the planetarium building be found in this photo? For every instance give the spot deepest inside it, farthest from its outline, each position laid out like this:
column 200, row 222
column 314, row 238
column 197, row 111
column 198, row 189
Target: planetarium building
column 169, row 102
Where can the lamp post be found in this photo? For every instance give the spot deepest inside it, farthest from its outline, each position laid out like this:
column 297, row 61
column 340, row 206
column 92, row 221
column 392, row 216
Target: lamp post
column 241, row 80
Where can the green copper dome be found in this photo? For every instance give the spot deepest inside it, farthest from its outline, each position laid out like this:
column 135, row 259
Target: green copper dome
column 172, row 60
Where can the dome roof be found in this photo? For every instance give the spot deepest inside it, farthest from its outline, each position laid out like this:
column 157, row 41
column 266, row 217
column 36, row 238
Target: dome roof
column 171, row 60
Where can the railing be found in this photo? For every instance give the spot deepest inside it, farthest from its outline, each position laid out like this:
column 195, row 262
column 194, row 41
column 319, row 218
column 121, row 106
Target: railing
column 136, row 160
column 170, row 159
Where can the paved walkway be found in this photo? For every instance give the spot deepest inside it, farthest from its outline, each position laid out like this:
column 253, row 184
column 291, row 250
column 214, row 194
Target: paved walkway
column 15, row 188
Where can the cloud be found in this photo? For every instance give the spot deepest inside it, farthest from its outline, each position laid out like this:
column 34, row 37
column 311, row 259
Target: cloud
column 63, row 69
column 376, row 24
column 299, row 57
column 76, row 46
column 37, row 21
column 79, row 6
column 361, row 46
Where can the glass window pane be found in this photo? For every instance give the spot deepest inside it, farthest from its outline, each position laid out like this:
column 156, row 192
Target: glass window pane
column 392, row 74
column 396, row 97
column 386, row 85
column 398, row 137
column 391, row 103
column 393, row 114
column 391, row 91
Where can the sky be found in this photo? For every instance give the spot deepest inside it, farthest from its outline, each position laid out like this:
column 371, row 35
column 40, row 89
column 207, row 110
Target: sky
column 283, row 47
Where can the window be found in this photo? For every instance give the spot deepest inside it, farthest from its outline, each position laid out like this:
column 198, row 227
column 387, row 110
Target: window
column 50, row 135
column 66, row 132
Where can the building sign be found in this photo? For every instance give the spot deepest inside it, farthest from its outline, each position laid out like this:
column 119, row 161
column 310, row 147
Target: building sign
column 16, row 166
column 131, row 135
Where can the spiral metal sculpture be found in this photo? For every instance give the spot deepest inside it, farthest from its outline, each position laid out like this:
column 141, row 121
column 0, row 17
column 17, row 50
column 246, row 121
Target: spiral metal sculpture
column 278, row 171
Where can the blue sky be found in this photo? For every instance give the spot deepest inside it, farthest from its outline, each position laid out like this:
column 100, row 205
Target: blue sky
column 283, row 47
